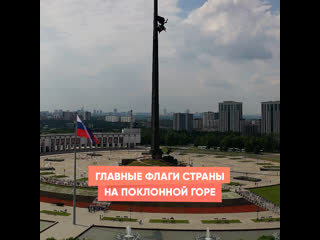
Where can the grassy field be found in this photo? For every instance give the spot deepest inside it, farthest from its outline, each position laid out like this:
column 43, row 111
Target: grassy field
column 168, row 221
column 54, row 160
column 270, row 193
column 265, row 156
column 119, row 219
column 46, row 173
column 85, row 191
column 59, row 176
column 272, row 159
column 268, row 166
column 148, row 163
column 266, row 220
column 82, row 179
column 235, row 184
column 55, row 213
column 221, row 221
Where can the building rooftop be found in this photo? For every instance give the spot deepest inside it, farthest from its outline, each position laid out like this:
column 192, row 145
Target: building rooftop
column 229, row 102
column 272, row 101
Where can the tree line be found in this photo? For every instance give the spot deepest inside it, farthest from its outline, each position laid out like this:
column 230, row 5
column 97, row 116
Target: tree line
column 221, row 140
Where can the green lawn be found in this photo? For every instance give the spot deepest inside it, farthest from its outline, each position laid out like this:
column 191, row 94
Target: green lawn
column 59, row 176
column 82, row 179
column 55, row 213
column 225, row 190
column 54, row 160
column 46, row 173
column 246, row 178
column 235, row 184
column 168, row 221
column 265, row 156
column 272, row 159
column 270, row 193
column 269, row 237
column 268, row 166
column 119, row 219
column 221, row 221
column 148, row 163
column 164, row 149
column 266, row 220
column 67, row 187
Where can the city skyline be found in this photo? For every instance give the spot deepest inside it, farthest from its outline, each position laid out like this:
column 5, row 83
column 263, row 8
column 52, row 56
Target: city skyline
column 162, row 109
column 211, row 52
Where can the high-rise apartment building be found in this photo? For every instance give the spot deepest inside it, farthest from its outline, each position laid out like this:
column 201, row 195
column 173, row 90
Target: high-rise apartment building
column 230, row 115
column 250, row 127
column 182, row 121
column 270, row 117
column 85, row 116
column 68, row 116
column 197, row 124
column 210, row 121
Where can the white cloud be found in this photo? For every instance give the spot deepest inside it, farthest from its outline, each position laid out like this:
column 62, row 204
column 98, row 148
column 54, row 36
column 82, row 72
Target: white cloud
column 227, row 49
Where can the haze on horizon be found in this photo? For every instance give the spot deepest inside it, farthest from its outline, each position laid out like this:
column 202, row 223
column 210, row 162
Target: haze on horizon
column 98, row 53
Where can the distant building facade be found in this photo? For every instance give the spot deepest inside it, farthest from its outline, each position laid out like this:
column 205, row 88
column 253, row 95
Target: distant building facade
column 85, row 116
column 183, row 122
column 197, row 124
column 112, row 118
column 57, row 143
column 270, row 117
column 210, row 121
column 68, row 116
column 250, row 127
column 127, row 119
column 230, row 115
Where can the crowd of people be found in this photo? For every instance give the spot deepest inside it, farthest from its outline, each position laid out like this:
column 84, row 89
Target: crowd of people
column 96, row 208
column 63, row 182
column 259, row 201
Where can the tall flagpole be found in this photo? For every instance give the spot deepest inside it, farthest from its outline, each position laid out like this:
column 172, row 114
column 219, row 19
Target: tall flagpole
column 155, row 137
column 158, row 26
column 75, row 172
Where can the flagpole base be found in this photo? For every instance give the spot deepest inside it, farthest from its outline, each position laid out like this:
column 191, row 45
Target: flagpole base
column 156, row 154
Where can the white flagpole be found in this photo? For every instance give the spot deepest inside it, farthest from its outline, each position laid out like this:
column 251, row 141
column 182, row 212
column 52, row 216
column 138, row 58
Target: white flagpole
column 75, row 173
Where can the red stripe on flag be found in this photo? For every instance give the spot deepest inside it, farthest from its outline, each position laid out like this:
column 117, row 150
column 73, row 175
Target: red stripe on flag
column 82, row 133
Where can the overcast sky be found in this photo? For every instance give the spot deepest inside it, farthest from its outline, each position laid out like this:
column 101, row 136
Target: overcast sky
column 98, row 54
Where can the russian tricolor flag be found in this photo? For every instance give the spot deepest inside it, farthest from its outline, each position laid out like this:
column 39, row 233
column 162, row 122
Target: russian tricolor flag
column 83, row 131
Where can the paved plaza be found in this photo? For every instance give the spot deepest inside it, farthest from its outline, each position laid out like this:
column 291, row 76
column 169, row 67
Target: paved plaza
column 238, row 167
column 65, row 228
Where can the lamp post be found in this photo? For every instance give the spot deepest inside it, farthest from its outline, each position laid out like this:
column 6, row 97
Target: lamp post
column 130, row 210
column 158, row 26
column 75, row 173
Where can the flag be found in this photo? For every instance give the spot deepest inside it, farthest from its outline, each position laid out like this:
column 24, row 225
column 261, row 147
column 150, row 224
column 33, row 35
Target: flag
column 83, row 131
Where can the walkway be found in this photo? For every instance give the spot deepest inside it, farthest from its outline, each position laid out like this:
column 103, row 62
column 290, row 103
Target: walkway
column 65, row 228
